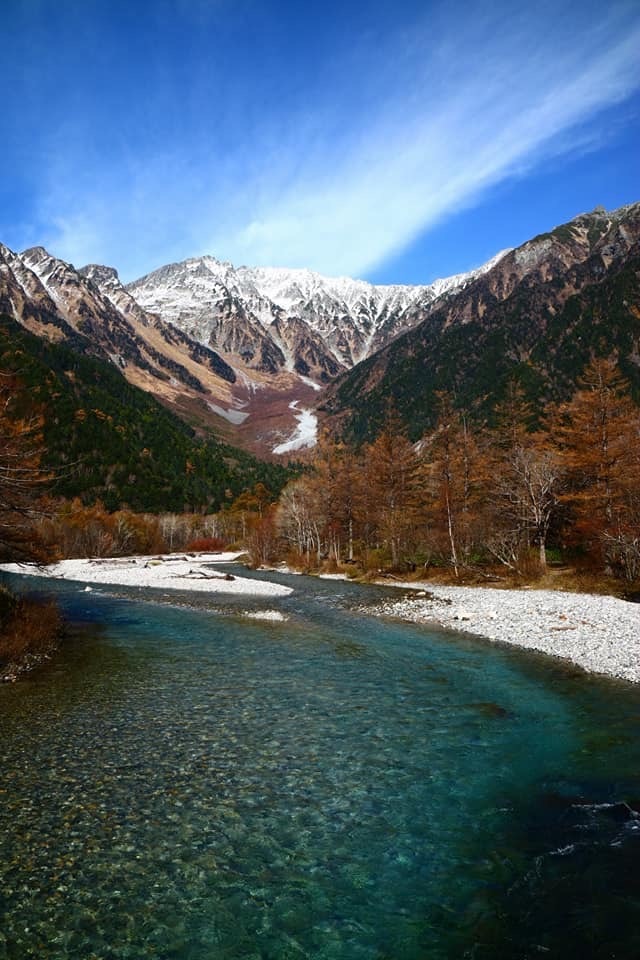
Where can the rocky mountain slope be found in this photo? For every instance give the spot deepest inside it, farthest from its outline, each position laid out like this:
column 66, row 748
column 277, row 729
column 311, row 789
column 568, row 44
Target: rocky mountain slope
column 256, row 355
column 90, row 311
column 274, row 319
column 538, row 315
column 54, row 300
column 240, row 351
column 105, row 439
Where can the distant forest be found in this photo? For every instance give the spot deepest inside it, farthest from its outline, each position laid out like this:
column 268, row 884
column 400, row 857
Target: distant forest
column 92, row 466
column 106, row 440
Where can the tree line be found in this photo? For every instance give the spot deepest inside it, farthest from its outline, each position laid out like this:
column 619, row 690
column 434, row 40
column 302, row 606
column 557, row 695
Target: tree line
column 466, row 497
column 471, row 496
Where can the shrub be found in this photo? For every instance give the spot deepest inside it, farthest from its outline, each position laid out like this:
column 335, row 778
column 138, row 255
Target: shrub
column 376, row 560
column 29, row 633
column 206, row 545
column 296, row 560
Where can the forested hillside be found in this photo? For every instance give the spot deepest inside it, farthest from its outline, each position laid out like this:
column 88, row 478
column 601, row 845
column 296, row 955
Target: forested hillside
column 107, row 440
column 538, row 318
column 471, row 497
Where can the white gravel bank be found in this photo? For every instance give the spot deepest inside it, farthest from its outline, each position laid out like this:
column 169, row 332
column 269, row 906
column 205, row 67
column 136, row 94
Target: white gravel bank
column 599, row 634
column 172, row 572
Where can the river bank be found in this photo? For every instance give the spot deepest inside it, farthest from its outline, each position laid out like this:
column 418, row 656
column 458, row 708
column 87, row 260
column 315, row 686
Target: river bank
column 598, row 633
column 168, row 572
column 30, row 632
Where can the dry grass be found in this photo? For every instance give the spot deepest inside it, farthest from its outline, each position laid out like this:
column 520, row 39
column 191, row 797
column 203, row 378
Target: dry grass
column 566, row 578
column 581, row 581
column 571, row 579
column 29, row 632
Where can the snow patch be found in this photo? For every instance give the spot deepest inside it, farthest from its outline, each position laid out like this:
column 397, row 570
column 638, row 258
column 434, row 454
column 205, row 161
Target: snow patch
column 311, row 383
column 306, row 433
column 233, row 416
column 253, row 386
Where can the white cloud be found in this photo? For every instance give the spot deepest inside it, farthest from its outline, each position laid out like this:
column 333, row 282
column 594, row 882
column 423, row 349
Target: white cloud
column 352, row 180
column 410, row 171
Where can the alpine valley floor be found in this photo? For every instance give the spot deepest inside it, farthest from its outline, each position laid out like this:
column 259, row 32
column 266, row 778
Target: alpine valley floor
column 600, row 634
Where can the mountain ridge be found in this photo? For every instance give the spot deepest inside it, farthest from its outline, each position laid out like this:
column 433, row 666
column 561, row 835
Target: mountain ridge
column 538, row 316
column 248, row 353
column 106, row 440
column 318, row 325
column 233, row 350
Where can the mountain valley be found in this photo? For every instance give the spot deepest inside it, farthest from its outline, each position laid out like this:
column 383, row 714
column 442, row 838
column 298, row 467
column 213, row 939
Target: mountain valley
column 260, row 356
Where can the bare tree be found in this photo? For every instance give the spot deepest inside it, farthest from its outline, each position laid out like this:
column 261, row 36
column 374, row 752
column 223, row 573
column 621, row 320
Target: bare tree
column 298, row 518
column 525, row 497
column 454, row 469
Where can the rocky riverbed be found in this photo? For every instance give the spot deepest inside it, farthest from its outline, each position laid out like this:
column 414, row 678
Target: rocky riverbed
column 600, row 634
column 184, row 572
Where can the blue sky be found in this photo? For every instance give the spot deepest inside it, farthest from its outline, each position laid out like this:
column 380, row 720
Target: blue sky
column 397, row 141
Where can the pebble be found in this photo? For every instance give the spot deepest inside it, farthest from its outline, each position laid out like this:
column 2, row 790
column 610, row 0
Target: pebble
column 175, row 572
column 598, row 633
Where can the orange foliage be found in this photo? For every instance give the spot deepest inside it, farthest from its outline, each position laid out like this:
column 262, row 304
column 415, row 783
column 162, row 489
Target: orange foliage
column 29, row 632
column 206, row 545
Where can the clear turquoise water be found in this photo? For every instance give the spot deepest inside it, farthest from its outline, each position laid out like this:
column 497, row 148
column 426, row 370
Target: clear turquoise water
column 184, row 782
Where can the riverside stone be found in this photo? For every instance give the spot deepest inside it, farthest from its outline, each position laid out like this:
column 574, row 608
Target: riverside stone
column 598, row 633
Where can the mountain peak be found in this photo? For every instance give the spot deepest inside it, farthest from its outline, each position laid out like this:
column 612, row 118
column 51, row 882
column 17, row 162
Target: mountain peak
column 528, row 312
column 98, row 272
column 317, row 325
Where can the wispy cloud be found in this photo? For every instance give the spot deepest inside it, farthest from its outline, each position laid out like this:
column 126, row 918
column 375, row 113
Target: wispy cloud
column 435, row 115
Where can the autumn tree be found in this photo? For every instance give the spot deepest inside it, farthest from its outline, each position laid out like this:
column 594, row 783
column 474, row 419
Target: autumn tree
column 598, row 436
column 392, row 486
column 338, row 483
column 22, row 480
column 262, row 537
column 255, row 524
column 246, row 507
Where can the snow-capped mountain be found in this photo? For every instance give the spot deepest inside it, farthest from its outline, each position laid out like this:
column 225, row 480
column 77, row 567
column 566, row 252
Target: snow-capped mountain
column 274, row 318
column 243, row 350
column 91, row 311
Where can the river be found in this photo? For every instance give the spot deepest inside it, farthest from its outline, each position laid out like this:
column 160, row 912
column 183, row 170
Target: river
column 186, row 781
